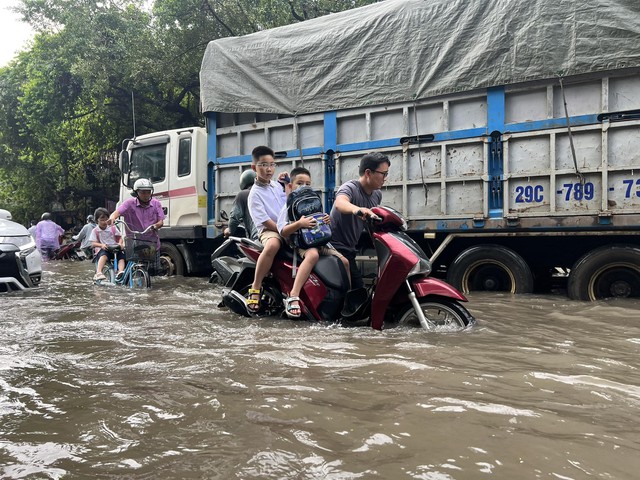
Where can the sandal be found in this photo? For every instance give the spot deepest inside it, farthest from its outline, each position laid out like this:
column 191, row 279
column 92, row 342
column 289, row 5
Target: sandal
column 289, row 308
column 253, row 304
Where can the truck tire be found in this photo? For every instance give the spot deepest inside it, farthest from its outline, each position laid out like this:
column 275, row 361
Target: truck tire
column 171, row 262
column 490, row 268
column 612, row 271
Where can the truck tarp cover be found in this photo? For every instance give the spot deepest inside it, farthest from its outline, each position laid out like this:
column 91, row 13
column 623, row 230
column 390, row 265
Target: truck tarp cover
column 407, row 50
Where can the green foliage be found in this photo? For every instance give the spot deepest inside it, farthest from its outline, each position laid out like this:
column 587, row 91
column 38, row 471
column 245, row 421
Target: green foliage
column 65, row 103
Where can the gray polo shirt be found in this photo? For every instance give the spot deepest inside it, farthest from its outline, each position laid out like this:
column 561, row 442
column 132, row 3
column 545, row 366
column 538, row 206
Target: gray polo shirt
column 346, row 229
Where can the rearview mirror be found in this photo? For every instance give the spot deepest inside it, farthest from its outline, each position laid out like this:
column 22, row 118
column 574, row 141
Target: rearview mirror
column 124, row 161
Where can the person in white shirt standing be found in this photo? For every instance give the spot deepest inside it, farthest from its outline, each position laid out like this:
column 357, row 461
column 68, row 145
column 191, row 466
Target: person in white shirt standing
column 84, row 236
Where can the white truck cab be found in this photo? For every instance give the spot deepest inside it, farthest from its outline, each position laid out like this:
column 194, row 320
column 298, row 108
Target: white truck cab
column 175, row 162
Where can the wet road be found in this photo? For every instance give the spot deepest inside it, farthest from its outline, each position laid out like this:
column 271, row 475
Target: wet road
column 102, row 382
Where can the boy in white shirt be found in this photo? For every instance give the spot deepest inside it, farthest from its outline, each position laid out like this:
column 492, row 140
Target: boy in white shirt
column 265, row 201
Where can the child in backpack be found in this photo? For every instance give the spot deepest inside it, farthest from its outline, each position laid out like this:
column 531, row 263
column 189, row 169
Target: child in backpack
column 265, row 200
column 102, row 237
column 301, row 177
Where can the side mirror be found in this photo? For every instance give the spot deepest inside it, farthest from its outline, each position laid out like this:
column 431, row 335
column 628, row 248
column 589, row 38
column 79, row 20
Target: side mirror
column 125, row 166
column 224, row 216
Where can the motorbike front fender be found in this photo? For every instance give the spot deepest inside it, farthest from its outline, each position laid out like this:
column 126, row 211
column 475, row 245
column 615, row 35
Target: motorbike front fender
column 426, row 286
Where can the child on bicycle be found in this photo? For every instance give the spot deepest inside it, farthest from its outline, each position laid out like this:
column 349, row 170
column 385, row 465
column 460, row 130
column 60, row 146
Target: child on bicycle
column 301, row 177
column 102, row 238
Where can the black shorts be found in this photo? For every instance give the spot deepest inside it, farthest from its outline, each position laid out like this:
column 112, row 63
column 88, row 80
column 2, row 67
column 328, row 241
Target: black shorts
column 102, row 252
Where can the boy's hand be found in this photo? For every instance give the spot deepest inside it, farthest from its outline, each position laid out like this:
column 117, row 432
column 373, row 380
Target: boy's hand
column 306, row 222
column 326, row 219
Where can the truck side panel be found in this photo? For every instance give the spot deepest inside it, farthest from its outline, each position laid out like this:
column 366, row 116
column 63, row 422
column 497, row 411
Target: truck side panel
column 492, row 159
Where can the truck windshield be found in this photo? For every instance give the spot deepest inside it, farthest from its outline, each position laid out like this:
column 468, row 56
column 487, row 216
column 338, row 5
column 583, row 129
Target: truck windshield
column 148, row 162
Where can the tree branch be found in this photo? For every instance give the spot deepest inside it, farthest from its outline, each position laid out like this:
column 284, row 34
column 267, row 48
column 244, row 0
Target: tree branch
column 293, row 12
column 205, row 3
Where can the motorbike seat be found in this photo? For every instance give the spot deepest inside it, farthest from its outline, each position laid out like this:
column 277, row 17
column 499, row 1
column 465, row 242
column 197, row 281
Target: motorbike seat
column 252, row 243
column 327, row 268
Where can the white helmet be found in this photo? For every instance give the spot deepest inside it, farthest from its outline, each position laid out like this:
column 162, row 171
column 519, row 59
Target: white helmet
column 142, row 184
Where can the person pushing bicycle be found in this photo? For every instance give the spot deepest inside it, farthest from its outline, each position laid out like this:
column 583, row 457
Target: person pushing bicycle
column 141, row 212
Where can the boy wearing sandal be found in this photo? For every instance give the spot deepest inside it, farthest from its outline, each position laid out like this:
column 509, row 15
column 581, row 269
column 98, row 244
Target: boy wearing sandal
column 302, row 177
column 265, row 200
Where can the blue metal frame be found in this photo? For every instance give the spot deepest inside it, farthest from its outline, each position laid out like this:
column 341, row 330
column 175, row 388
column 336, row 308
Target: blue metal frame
column 496, row 125
column 212, row 158
column 330, row 146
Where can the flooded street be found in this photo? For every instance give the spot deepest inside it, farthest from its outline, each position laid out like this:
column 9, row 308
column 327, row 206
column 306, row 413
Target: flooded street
column 104, row 382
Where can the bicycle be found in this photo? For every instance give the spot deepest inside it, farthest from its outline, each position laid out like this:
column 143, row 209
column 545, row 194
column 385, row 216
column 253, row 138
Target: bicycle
column 135, row 274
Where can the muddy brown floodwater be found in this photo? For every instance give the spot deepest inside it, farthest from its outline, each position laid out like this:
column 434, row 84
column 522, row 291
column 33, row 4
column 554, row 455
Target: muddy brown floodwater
column 104, row 382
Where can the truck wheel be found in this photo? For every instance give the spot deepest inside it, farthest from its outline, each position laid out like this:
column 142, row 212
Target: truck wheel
column 606, row 272
column 490, row 268
column 171, row 262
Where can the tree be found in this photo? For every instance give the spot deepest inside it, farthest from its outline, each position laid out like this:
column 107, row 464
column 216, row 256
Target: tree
column 66, row 103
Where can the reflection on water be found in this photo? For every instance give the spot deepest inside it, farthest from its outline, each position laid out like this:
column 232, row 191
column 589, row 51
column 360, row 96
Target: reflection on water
column 107, row 382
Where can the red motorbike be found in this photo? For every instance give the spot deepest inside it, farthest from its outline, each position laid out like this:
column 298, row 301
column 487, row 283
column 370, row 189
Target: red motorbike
column 69, row 251
column 403, row 293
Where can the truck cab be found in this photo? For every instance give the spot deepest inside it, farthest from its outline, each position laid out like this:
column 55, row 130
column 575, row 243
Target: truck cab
column 175, row 162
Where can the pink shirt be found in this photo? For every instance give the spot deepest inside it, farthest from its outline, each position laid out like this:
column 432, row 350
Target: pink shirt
column 138, row 217
column 110, row 236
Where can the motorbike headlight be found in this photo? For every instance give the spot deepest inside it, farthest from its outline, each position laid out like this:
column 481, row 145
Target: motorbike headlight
column 422, row 267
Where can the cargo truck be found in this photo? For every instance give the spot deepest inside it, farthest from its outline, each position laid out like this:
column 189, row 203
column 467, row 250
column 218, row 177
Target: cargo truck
column 513, row 130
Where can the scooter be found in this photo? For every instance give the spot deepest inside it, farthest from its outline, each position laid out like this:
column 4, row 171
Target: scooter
column 69, row 251
column 402, row 294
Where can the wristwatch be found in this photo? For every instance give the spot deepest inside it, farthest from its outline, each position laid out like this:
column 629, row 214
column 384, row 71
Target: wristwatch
column 359, row 213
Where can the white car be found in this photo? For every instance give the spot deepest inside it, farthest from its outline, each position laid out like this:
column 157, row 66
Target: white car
column 20, row 260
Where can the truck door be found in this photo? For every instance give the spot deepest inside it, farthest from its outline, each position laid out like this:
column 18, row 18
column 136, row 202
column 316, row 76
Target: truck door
column 149, row 159
column 182, row 188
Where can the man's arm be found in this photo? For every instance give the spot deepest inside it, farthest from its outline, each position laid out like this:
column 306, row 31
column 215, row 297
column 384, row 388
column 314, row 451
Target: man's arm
column 80, row 236
column 114, row 216
column 234, row 219
column 343, row 205
column 158, row 225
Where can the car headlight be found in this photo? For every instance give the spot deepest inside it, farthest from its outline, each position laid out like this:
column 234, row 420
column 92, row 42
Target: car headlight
column 27, row 249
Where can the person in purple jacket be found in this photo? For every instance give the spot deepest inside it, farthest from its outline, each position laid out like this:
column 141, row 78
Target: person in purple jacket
column 48, row 235
column 142, row 211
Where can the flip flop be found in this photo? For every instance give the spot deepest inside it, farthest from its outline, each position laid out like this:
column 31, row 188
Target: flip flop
column 289, row 307
column 253, row 304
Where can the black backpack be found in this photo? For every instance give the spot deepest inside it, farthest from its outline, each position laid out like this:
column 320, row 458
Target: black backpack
column 304, row 201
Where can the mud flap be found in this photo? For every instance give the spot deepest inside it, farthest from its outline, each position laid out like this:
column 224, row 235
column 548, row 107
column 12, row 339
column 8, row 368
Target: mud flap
column 235, row 302
column 356, row 305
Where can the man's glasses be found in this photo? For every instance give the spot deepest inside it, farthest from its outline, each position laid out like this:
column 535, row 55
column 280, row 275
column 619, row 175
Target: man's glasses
column 266, row 165
column 384, row 174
